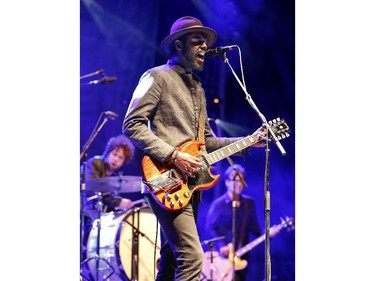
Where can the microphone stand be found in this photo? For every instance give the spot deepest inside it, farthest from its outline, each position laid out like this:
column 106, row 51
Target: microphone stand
column 83, row 155
column 136, row 232
column 235, row 205
column 94, row 134
column 267, row 194
column 210, row 244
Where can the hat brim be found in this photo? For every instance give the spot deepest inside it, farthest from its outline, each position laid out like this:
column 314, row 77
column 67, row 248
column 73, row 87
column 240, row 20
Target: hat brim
column 209, row 32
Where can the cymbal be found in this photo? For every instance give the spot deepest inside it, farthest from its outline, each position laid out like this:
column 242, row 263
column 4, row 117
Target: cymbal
column 119, row 183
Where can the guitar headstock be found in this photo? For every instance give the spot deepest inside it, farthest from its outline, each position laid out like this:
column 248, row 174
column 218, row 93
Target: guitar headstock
column 280, row 128
column 287, row 223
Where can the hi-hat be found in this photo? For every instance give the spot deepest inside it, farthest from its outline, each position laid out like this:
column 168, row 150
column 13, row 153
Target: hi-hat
column 119, row 183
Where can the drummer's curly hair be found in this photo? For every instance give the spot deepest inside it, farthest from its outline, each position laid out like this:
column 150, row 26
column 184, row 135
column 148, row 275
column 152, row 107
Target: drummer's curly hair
column 118, row 142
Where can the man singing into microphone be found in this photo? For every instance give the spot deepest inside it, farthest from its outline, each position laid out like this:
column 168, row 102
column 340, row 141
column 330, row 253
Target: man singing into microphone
column 168, row 108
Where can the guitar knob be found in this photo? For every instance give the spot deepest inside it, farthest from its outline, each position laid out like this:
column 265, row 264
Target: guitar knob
column 186, row 194
column 171, row 204
column 176, row 196
column 167, row 196
column 180, row 202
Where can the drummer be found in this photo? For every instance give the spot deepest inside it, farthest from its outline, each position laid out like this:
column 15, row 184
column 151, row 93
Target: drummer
column 118, row 152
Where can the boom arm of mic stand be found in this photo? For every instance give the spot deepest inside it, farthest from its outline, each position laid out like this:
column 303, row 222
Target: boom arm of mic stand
column 253, row 105
column 100, row 71
column 93, row 136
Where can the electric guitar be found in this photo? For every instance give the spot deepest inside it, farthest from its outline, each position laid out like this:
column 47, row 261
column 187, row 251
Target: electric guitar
column 221, row 269
column 172, row 189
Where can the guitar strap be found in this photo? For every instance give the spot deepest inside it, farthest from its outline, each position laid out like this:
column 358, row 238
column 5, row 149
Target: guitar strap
column 199, row 95
column 193, row 83
column 201, row 129
column 201, row 121
column 198, row 193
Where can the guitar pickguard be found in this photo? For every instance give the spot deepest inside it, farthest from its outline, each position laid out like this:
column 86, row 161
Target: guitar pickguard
column 165, row 181
column 203, row 178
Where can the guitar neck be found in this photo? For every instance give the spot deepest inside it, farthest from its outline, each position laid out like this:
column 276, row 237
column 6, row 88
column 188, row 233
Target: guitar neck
column 241, row 251
column 231, row 149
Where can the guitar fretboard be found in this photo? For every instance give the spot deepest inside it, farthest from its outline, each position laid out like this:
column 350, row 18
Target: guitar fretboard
column 231, row 149
column 254, row 243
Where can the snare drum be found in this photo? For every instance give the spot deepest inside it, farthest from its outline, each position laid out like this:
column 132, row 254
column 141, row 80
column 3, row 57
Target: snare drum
column 118, row 239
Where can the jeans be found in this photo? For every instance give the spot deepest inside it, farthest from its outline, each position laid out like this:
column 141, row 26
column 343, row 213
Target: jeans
column 181, row 253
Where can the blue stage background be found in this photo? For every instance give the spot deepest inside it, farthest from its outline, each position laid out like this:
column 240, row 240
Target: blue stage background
column 123, row 37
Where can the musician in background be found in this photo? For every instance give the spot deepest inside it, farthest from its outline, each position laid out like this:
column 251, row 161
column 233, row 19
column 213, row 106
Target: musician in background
column 168, row 109
column 118, row 152
column 220, row 217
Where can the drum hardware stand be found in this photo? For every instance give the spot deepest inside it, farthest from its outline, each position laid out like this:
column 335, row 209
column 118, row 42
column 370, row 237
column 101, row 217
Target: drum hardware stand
column 83, row 187
column 97, row 256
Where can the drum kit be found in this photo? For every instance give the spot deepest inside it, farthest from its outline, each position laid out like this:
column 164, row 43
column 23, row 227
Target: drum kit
column 121, row 245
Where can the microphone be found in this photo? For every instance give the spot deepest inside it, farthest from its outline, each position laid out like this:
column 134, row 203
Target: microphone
column 100, row 71
column 205, row 242
column 104, row 80
column 219, row 51
column 242, row 178
column 111, row 114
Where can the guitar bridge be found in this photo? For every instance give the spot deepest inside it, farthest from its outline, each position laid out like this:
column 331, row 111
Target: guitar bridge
column 165, row 181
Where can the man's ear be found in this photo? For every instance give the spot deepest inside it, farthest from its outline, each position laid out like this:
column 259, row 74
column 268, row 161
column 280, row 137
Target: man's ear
column 178, row 45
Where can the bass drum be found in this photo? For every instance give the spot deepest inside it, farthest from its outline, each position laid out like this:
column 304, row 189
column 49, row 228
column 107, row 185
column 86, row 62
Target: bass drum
column 119, row 236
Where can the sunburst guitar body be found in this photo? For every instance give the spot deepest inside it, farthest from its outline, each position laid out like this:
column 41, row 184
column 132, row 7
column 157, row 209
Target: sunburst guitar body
column 172, row 189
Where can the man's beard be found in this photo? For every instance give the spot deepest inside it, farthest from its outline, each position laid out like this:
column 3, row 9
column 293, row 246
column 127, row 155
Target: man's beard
column 190, row 59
